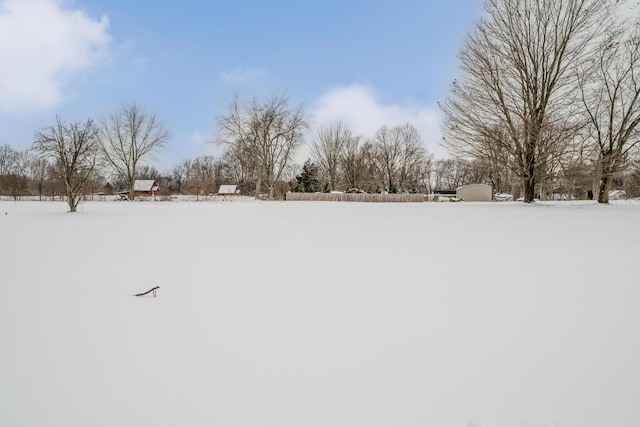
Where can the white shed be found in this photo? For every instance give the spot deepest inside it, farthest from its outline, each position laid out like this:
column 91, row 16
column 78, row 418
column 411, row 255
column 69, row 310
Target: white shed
column 228, row 190
column 475, row 193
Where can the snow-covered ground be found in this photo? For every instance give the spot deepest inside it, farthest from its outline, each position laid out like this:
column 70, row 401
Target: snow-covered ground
column 320, row 314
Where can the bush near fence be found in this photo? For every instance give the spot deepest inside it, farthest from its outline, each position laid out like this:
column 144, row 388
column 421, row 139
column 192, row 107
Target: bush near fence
column 355, row 197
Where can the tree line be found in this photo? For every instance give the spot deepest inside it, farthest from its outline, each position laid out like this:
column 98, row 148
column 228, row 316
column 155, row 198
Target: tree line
column 76, row 159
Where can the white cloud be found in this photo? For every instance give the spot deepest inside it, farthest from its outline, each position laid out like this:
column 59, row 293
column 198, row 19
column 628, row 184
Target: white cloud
column 364, row 112
column 241, row 76
column 44, row 45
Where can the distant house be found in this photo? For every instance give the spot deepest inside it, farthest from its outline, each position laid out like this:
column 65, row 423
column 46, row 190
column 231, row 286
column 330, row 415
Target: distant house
column 228, row 190
column 145, row 187
column 475, row 193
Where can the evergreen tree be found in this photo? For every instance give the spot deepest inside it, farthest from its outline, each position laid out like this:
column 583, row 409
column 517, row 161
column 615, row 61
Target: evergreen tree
column 307, row 181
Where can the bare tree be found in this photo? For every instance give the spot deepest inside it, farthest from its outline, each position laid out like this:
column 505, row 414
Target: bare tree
column 38, row 173
column 239, row 168
column 611, row 98
column 369, row 174
column 7, row 157
column 202, row 175
column 328, row 148
column 632, row 179
column 414, row 159
column 72, row 149
column 400, row 157
column 7, row 160
column 19, row 177
column 269, row 132
column 127, row 136
column 449, row 174
column 352, row 163
column 179, row 175
column 517, row 76
column 14, row 174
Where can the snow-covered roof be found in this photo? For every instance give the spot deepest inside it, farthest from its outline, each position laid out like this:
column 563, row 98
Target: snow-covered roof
column 617, row 194
column 143, row 184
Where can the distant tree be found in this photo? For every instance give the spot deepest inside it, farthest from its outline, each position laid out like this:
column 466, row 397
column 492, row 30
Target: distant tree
column 632, row 179
column 202, row 175
column 415, row 161
column 94, row 183
column 208, row 172
column 308, row 181
column 18, row 177
column 269, row 132
column 352, row 163
column 239, row 168
column 611, row 98
column 72, row 150
column 147, row 172
column 14, row 173
column 178, row 174
column 129, row 135
column 7, row 157
column 516, row 96
column 185, row 173
column 401, row 157
column 328, row 149
column 449, row 174
column 38, row 172
column 7, row 160
column 369, row 173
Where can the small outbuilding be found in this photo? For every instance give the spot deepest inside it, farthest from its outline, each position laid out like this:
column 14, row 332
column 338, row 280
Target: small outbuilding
column 474, row 193
column 228, row 190
column 145, row 187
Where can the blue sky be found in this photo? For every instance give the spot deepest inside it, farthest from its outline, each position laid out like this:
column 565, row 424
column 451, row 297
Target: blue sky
column 367, row 63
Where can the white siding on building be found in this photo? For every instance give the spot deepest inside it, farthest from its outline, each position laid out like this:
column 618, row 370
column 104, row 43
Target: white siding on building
column 475, row 193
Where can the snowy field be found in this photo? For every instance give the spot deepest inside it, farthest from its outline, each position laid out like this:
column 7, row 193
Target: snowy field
column 320, row 314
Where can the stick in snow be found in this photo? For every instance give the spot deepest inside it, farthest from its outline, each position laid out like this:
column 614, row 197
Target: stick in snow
column 154, row 290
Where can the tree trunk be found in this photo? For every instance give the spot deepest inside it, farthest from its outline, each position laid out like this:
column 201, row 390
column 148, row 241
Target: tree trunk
column 529, row 189
column 258, row 185
column 132, row 192
column 71, row 201
column 606, row 176
column 603, row 189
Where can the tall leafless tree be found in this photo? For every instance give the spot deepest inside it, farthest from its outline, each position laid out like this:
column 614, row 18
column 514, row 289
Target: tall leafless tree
column 517, row 76
column 7, row 160
column 38, row 173
column 129, row 135
column 401, row 157
column 14, row 171
column 329, row 147
column 72, row 149
column 611, row 98
column 352, row 163
column 7, row 157
column 270, row 132
column 203, row 175
column 239, row 168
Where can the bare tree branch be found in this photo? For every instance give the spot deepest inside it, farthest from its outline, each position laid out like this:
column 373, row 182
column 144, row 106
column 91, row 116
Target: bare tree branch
column 127, row 136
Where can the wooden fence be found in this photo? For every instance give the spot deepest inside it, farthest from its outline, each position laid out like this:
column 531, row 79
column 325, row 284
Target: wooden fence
column 355, row 197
